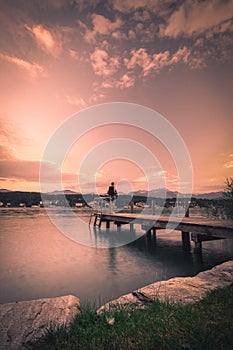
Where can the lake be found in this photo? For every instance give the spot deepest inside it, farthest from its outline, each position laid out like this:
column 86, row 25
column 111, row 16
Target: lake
column 38, row 261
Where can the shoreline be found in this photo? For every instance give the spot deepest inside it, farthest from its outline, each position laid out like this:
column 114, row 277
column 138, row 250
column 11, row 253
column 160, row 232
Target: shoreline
column 23, row 322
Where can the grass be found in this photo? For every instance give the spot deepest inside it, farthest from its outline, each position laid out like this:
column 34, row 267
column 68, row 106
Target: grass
column 205, row 325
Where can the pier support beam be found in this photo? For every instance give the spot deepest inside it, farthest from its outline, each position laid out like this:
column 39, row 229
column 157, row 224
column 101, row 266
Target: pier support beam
column 154, row 231
column 148, row 233
column 185, row 237
column 131, row 226
column 131, row 207
column 108, row 224
column 118, row 226
column 186, row 240
column 197, row 240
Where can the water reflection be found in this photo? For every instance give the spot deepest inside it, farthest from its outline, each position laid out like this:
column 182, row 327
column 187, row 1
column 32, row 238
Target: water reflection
column 37, row 261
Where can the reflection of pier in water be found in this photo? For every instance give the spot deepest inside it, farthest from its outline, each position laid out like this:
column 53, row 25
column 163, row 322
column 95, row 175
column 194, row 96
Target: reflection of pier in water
column 197, row 228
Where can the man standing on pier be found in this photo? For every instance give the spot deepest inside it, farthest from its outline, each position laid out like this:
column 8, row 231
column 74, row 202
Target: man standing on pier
column 112, row 192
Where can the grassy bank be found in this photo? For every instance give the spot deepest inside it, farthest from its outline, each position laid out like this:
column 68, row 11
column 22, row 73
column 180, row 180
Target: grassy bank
column 205, row 325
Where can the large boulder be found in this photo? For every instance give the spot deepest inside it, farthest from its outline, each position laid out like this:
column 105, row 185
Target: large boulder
column 23, row 322
column 179, row 289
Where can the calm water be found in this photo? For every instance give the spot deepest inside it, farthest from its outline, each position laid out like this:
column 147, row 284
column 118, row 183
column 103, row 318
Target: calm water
column 38, row 261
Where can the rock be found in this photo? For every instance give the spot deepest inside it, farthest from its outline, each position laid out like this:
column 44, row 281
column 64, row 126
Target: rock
column 179, row 289
column 23, row 322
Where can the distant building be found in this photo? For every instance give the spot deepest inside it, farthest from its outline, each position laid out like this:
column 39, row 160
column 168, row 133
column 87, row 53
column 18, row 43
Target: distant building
column 79, row 205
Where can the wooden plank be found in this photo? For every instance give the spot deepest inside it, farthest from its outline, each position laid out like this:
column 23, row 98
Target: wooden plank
column 204, row 226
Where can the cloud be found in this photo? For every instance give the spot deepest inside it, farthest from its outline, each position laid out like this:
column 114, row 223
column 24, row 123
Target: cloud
column 6, row 130
column 19, row 169
column 131, row 34
column 139, row 58
column 119, row 35
column 101, row 26
column 141, row 15
column 76, row 101
column 229, row 164
column 195, row 17
column 182, row 54
column 125, row 82
column 226, row 27
column 102, row 64
column 5, row 153
column 81, row 102
column 81, row 57
column 13, row 168
column 33, row 69
column 156, row 62
column 45, row 39
column 132, row 5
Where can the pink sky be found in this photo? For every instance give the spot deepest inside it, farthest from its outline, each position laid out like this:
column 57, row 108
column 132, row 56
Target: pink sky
column 59, row 57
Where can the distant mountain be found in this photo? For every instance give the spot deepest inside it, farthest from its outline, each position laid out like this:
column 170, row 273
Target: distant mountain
column 138, row 193
column 63, row 192
column 210, row 195
column 163, row 192
column 158, row 193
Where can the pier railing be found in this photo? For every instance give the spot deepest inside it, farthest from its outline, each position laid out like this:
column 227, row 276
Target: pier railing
column 102, row 204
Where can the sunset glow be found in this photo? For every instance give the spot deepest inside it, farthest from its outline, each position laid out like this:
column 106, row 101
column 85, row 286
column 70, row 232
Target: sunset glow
column 60, row 57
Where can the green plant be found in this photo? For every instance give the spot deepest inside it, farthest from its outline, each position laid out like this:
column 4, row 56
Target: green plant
column 207, row 324
column 228, row 197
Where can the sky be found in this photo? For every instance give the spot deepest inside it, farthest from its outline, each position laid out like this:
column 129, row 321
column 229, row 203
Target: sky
column 59, row 57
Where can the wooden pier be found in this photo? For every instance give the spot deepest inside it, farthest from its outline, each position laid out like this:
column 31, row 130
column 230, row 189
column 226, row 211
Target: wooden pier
column 197, row 229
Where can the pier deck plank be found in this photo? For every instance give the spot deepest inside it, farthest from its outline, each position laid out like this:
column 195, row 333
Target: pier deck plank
column 198, row 225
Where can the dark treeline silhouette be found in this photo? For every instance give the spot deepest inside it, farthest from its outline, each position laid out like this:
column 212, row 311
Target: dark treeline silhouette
column 16, row 198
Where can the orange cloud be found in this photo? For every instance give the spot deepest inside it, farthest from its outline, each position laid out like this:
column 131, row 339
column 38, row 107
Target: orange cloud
column 79, row 102
column 81, row 57
column 229, row 163
column 119, row 35
column 197, row 17
column 101, row 25
column 33, row 69
column 45, row 39
column 102, row 64
column 156, row 61
column 125, row 82
column 130, row 5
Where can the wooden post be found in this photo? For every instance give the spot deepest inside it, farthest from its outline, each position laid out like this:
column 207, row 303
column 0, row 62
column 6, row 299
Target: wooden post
column 107, row 224
column 154, row 231
column 187, row 209
column 131, row 206
column 197, row 241
column 153, row 207
column 95, row 220
column 185, row 239
column 118, row 226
